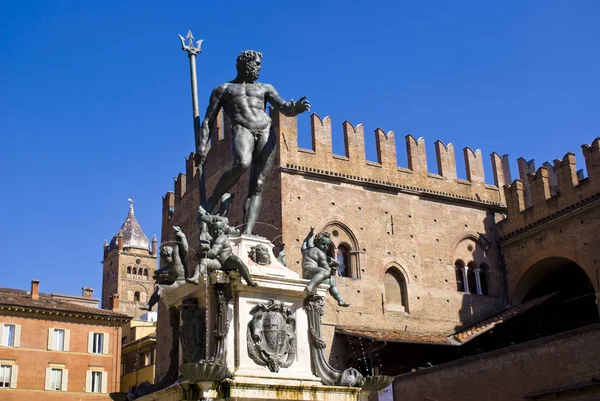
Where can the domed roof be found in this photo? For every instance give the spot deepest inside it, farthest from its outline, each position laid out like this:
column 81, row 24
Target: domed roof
column 133, row 236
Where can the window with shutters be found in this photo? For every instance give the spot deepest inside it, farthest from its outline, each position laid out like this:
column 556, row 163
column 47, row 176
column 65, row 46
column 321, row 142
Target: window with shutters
column 56, row 378
column 8, row 335
column 5, row 375
column 98, row 342
column 96, row 381
column 96, row 384
column 58, row 343
column 58, row 339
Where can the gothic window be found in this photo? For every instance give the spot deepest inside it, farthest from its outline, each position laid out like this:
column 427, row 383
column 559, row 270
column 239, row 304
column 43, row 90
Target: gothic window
column 129, row 272
column 345, row 249
column 396, row 294
column 134, row 273
column 343, row 258
column 471, row 282
column 459, row 268
column 483, row 279
column 136, row 296
column 146, row 274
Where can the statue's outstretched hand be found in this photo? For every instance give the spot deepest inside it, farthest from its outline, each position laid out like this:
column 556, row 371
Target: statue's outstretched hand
column 301, row 105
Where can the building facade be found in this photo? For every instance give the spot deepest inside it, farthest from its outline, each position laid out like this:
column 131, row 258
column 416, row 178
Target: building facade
column 57, row 347
column 436, row 267
column 138, row 352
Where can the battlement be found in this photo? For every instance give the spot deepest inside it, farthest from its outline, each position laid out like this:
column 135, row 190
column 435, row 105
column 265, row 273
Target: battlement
column 385, row 171
column 353, row 166
column 551, row 190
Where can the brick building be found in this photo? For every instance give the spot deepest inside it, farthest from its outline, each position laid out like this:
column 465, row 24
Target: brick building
column 130, row 261
column 437, row 268
column 58, row 347
column 128, row 266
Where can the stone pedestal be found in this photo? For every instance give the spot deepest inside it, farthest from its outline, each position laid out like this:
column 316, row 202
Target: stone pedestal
column 273, row 312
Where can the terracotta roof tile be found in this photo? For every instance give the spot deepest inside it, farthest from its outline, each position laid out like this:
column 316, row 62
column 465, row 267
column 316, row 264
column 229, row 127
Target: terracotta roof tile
column 20, row 298
column 471, row 332
column 457, row 338
column 393, row 336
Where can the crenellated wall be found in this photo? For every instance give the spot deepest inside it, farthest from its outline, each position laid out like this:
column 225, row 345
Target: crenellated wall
column 354, row 166
column 551, row 190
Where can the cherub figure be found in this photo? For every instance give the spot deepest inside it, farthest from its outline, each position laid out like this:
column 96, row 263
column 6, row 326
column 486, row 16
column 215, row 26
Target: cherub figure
column 174, row 267
column 317, row 266
column 218, row 255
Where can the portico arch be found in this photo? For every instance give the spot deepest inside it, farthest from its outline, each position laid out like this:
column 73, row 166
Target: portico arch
column 573, row 304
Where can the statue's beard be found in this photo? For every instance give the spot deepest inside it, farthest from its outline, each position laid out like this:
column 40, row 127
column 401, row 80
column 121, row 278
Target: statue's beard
column 251, row 72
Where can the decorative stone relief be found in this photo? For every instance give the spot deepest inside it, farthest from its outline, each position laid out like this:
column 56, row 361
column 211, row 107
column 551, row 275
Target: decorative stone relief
column 192, row 331
column 271, row 336
column 260, row 254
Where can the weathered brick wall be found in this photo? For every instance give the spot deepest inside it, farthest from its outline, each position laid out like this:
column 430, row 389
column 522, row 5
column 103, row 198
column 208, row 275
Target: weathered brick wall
column 118, row 261
column 422, row 244
column 550, row 214
column 434, row 216
column 511, row 373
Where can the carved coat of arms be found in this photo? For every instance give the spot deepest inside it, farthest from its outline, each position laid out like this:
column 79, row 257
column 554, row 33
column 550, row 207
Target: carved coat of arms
column 271, row 336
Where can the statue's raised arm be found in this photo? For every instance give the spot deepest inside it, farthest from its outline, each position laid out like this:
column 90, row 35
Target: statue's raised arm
column 308, row 241
column 290, row 108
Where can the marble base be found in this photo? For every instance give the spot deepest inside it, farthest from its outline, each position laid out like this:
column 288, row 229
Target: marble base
column 250, row 380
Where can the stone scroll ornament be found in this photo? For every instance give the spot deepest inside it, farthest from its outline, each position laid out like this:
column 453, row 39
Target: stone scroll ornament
column 350, row 377
column 271, row 336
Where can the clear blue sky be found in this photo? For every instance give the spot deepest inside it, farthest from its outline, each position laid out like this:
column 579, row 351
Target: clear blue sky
column 95, row 98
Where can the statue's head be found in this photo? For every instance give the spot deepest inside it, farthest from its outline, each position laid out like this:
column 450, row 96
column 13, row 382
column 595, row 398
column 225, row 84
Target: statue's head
column 322, row 241
column 248, row 64
column 166, row 254
column 216, row 228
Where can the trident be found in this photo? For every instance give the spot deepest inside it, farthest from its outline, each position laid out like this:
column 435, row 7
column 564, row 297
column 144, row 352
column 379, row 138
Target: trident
column 192, row 51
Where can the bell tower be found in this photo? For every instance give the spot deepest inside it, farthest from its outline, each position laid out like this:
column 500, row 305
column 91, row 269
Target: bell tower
column 128, row 266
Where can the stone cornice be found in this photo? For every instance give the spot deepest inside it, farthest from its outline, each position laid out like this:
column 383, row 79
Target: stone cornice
column 50, row 313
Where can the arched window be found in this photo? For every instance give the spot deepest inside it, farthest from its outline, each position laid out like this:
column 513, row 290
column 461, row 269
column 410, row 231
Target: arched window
column 134, row 273
column 471, row 282
column 483, row 279
column 343, row 257
column 459, row 268
column 396, row 294
column 136, row 296
column 129, row 272
column 344, row 248
column 146, row 274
